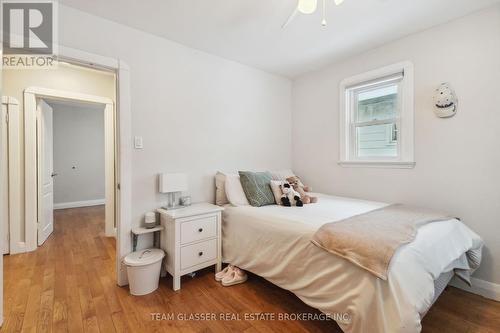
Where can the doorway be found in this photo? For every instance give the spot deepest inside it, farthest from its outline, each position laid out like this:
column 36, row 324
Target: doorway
column 18, row 157
column 72, row 161
column 22, row 135
column 41, row 204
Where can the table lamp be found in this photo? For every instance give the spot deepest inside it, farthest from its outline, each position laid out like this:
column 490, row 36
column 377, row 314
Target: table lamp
column 173, row 183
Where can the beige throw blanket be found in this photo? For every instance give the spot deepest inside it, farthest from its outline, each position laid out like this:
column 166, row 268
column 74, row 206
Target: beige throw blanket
column 370, row 240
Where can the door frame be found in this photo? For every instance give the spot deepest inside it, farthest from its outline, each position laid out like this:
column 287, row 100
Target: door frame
column 14, row 175
column 4, row 175
column 31, row 111
column 122, row 181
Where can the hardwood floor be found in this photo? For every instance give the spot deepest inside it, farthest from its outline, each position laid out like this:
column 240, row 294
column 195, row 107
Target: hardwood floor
column 68, row 285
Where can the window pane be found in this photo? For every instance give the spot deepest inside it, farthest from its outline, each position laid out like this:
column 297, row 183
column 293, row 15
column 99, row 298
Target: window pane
column 377, row 141
column 380, row 103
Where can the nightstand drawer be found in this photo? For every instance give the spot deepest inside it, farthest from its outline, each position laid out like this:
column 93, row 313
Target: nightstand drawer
column 192, row 255
column 198, row 229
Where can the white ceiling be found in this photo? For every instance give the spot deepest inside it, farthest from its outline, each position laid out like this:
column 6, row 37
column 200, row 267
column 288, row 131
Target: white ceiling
column 249, row 31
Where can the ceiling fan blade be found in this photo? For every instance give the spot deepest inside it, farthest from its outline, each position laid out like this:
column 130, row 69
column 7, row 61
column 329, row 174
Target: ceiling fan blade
column 338, row 2
column 307, row 6
column 290, row 18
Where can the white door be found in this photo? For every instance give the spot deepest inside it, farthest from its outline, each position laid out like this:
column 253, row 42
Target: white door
column 4, row 178
column 46, row 174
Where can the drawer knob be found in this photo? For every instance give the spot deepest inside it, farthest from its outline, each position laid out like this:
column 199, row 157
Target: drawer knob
column 200, row 230
column 200, row 253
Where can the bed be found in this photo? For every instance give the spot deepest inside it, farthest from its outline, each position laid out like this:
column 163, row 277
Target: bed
column 274, row 242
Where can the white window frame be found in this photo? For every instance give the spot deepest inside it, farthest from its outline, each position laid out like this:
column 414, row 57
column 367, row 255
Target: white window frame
column 405, row 119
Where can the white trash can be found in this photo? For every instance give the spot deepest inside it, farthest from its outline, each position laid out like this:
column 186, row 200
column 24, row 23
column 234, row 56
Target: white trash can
column 143, row 270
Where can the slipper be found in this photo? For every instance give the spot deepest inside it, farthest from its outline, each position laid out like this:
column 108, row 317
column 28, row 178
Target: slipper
column 219, row 276
column 236, row 276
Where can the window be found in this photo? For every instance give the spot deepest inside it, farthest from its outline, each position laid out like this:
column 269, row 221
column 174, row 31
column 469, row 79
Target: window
column 377, row 118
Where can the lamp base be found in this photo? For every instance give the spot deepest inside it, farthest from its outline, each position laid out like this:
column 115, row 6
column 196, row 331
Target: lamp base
column 173, row 202
column 173, row 207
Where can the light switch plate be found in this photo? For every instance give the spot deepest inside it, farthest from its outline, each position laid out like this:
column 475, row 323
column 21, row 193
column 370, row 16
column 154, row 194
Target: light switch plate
column 138, row 142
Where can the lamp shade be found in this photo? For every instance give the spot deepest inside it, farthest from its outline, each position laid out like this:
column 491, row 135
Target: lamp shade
column 173, row 182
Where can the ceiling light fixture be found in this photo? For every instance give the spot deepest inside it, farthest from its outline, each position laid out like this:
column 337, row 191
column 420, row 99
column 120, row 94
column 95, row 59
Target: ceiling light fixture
column 309, row 7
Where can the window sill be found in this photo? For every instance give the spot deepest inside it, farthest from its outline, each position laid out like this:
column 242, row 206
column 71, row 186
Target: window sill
column 378, row 164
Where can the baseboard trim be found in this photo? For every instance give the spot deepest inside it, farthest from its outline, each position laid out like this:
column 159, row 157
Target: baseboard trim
column 20, row 247
column 479, row 287
column 76, row 204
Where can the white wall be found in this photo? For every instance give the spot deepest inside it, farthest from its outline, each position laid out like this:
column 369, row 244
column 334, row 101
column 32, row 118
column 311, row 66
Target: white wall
column 78, row 153
column 458, row 159
column 197, row 113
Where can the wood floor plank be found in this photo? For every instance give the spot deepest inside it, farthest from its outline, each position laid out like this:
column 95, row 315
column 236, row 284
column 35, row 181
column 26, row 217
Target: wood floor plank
column 68, row 285
column 104, row 319
column 91, row 325
column 120, row 322
column 14, row 322
column 44, row 323
column 86, row 303
column 32, row 308
column 75, row 323
column 110, row 294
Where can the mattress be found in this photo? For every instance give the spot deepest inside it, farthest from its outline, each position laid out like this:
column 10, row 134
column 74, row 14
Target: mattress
column 274, row 242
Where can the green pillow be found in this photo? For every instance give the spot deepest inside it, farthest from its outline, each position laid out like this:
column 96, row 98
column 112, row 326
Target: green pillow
column 257, row 188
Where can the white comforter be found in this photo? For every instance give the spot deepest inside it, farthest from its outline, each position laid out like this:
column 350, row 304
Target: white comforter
column 274, row 242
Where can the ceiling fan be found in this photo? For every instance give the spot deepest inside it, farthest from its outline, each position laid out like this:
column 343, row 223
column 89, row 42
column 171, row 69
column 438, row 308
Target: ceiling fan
column 309, row 7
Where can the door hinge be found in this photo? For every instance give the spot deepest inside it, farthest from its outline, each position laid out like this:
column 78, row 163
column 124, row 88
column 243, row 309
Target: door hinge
column 118, row 186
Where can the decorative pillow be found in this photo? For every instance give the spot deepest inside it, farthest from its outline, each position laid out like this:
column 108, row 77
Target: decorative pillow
column 220, row 190
column 277, row 192
column 257, row 187
column 282, row 174
column 234, row 191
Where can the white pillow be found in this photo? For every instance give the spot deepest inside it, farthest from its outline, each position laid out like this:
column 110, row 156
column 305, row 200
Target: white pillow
column 234, row 191
column 276, row 187
column 282, row 174
column 220, row 189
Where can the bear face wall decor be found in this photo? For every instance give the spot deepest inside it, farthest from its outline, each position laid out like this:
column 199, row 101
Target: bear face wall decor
column 445, row 101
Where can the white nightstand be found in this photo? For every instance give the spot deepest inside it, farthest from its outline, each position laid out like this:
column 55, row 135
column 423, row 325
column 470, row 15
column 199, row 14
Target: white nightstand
column 191, row 238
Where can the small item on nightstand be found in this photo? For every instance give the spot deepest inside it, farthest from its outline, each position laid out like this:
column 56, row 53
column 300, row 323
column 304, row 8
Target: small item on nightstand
column 186, row 201
column 150, row 220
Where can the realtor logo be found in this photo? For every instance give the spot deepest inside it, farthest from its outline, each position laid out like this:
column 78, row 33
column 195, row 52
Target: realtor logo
column 28, row 27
